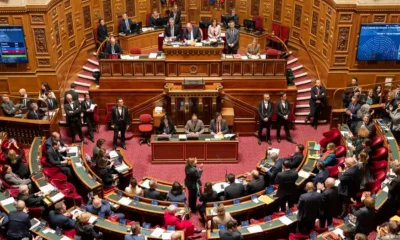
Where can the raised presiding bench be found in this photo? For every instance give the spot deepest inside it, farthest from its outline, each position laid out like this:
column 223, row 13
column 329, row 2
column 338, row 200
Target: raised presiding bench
column 183, row 52
column 207, row 149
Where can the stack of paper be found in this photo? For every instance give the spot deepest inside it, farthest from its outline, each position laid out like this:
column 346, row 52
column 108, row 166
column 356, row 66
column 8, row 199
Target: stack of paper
column 304, row 174
column 157, row 232
column 92, row 219
column 245, row 57
column 273, row 150
column 78, row 164
column 122, row 168
column 220, row 187
column 255, row 229
column 198, row 44
column 263, row 56
column 153, row 55
column 73, row 149
column 385, row 189
column 47, row 188
column 48, row 230
column 285, row 220
column 265, row 199
column 7, row 201
column 57, row 197
column 166, row 236
column 125, row 201
column 182, row 137
column 145, row 184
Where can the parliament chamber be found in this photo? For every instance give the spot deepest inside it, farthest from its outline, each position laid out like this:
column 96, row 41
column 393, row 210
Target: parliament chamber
column 170, row 100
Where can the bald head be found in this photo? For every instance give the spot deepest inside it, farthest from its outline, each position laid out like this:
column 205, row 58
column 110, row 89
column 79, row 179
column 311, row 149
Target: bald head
column 350, row 162
column 255, row 174
column 274, row 156
column 22, row 92
column 153, row 184
column 69, row 98
column 329, row 182
column 96, row 202
column 309, row 187
column 20, row 205
column 176, row 236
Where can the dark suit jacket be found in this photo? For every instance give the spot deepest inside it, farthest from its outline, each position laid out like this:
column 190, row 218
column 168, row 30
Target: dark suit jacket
column 8, row 108
column 105, row 208
column 117, row 119
column 196, row 34
column 232, row 38
column 282, row 111
column 369, row 126
column 18, row 225
column 153, row 20
column 31, row 200
column 295, row 160
column 394, row 189
column 234, row 190
column 321, row 177
column 85, row 107
column 365, row 219
column 74, row 95
column 330, row 197
column 255, row 185
column 264, row 112
column 353, row 111
column 39, row 115
column 230, row 235
column 286, row 183
column 321, row 96
column 49, row 141
column 177, row 17
column 193, row 176
column 122, row 25
column 274, row 170
column 102, row 33
column 171, row 128
column 308, row 206
column 54, row 157
column 25, row 105
column 106, row 176
column 108, row 49
column 153, row 194
column 61, row 221
column 236, row 19
column 177, row 31
column 73, row 114
column 54, row 102
column 223, row 126
column 349, row 181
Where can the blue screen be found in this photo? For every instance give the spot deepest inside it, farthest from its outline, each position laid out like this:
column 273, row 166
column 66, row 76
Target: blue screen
column 12, row 45
column 379, row 42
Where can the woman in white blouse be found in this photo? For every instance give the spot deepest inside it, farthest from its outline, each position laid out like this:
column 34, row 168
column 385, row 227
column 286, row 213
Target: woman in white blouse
column 214, row 30
column 134, row 188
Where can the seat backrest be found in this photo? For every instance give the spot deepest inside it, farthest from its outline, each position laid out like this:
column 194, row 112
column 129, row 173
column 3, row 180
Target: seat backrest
column 340, row 151
column 284, row 33
column 145, row 118
column 135, row 51
column 148, row 15
column 259, row 22
column 276, row 28
column 272, row 53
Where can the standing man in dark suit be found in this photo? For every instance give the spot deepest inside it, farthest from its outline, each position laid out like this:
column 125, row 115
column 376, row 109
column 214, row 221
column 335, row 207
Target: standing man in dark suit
column 73, row 111
column 330, row 197
column 231, row 233
column 87, row 107
column 317, row 100
column 75, row 96
column 56, row 159
column 125, row 24
column 308, row 209
column 394, row 191
column 265, row 111
column 19, row 222
column 102, row 31
column 352, row 113
column 172, row 31
column 218, row 125
column 234, row 190
column 232, row 38
column 283, row 111
column 275, row 169
column 365, row 216
column 191, row 33
column 176, row 15
column 59, row 217
column 192, row 181
column 113, row 48
column 350, row 91
column 235, row 17
column 256, row 183
column 349, row 183
column 119, row 122
column 25, row 101
column 286, row 181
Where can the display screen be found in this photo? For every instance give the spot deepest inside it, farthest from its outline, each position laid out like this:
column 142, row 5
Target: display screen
column 12, row 45
column 379, row 42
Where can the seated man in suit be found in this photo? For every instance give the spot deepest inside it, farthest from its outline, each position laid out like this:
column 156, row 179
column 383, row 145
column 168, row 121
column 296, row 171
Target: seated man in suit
column 125, row 24
column 296, row 159
column 365, row 215
column 256, row 182
column 275, row 169
column 191, row 33
column 308, row 209
column 287, row 189
column 194, row 126
column 172, row 31
column 153, row 18
column 231, row 232
column 25, row 101
column 113, row 47
column 35, row 113
column 51, row 101
column 176, row 15
column 235, row 17
column 55, row 136
column 31, row 200
column 234, row 190
column 56, row 159
column 322, row 174
column 96, row 206
column 232, row 38
column 218, row 125
column 8, row 107
column 152, row 192
column 19, row 222
column 59, row 217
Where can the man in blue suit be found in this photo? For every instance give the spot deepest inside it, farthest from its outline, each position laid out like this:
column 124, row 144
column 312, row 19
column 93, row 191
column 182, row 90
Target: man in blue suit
column 97, row 206
column 19, row 222
column 349, row 183
column 60, row 218
column 125, row 24
column 135, row 235
column 275, row 169
column 351, row 111
column 308, row 207
column 322, row 174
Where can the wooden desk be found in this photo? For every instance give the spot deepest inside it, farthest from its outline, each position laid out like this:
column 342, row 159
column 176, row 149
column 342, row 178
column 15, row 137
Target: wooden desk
column 206, row 151
column 247, row 37
column 145, row 41
column 193, row 52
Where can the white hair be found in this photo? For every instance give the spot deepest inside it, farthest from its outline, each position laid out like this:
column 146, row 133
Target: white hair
column 171, row 208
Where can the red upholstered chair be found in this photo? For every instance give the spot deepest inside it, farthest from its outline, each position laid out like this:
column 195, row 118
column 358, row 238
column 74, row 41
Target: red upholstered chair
column 69, row 233
column 276, row 29
column 148, row 16
column 145, row 127
column 274, row 116
column 135, row 51
column 378, row 165
column 109, row 107
column 12, row 190
column 340, row 161
column 272, row 53
column 284, row 34
column 380, row 153
column 374, row 186
column 35, row 212
column 295, row 236
column 167, row 12
column 3, row 158
column 44, row 163
column 340, row 151
column 43, row 148
column 376, row 142
column 380, row 175
column 330, row 136
column 259, row 22
column 71, row 196
column 333, row 171
column 254, row 221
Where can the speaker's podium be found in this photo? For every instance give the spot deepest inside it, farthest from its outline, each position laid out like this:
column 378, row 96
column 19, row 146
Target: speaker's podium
column 193, row 51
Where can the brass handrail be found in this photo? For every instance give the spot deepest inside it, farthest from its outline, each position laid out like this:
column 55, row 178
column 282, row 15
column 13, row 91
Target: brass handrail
column 312, row 60
column 134, row 109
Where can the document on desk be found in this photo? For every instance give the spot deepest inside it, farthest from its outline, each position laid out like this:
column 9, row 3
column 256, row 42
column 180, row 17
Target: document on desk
column 390, row 138
column 145, row 184
column 48, row 230
column 255, row 229
column 72, row 149
column 273, row 150
column 182, row 137
column 157, row 232
column 78, row 164
column 92, row 219
column 125, row 201
column 122, row 168
column 113, row 154
column 166, row 236
column 244, row 58
column 304, row 174
column 152, row 55
column 57, row 197
column 199, row 44
column 385, row 189
column 65, row 238
column 7, row 201
column 344, row 132
column 265, row 199
column 285, row 220
column 220, row 187
column 47, row 188
column 339, row 232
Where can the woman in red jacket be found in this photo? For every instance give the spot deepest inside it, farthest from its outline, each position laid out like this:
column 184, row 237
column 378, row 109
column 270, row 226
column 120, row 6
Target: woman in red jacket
column 173, row 218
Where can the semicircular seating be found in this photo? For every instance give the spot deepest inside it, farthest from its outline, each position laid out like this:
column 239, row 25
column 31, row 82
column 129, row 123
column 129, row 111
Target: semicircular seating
column 330, row 136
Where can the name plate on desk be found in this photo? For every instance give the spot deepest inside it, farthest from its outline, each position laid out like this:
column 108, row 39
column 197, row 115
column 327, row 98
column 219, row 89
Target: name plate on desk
column 193, row 84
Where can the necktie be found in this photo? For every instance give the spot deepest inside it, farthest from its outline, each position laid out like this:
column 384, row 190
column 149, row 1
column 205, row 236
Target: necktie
column 51, row 103
column 112, row 49
column 218, row 128
column 191, row 35
column 36, row 116
column 24, row 102
column 352, row 107
column 172, row 32
column 127, row 25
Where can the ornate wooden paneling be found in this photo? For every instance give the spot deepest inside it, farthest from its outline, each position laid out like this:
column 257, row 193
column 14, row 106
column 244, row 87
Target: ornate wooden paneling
column 317, row 3
column 343, row 39
column 67, row 3
column 160, row 69
column 247, row 68
column 43, row 62
column 226, row 68
column 127, row 69
column 70, row 24
column 57, row 33
column 72, row 44
column 130, row 8
column 205, row 5
column 297, row 15
column 229, row 5
column 87, row 18
column 378, row 18
column 181, row 4
column 327, row 30
column 37, row 19
column 346, row 17
column 277, row 15
column 214, row 69
column 40, row 40
column 149, row 69
column 236, row 68
column 255, row 7
column 4, row 20
column 107, row 11
column 139, row 69
column 314, row 23
column 154, row 4
column 172, row 69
